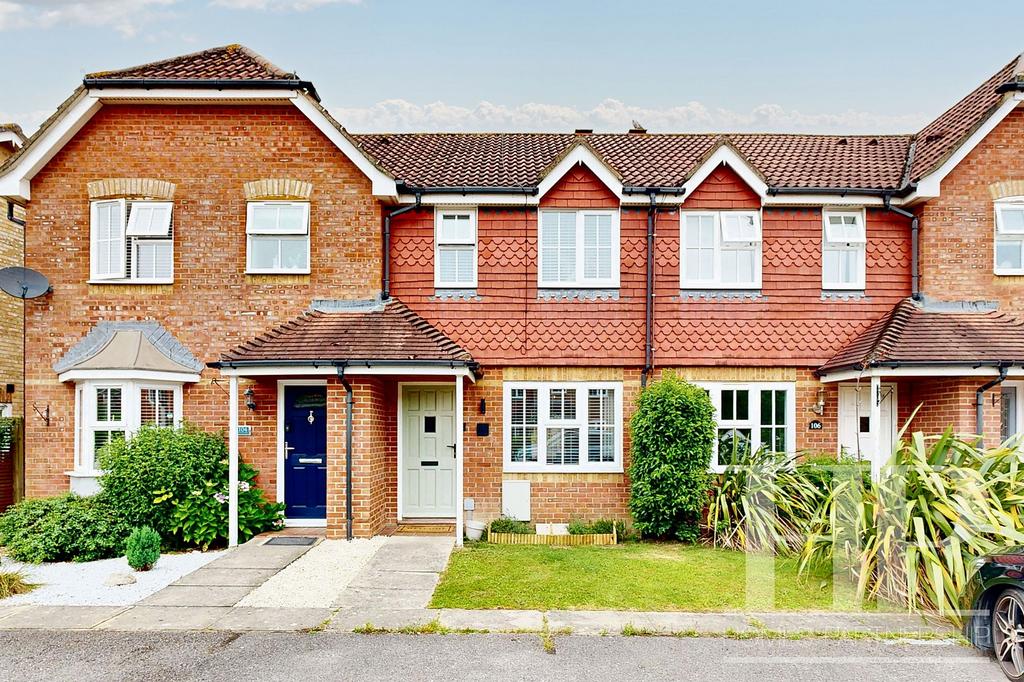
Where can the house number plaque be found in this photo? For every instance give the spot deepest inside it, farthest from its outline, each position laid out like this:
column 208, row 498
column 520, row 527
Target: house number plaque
column 814, row 425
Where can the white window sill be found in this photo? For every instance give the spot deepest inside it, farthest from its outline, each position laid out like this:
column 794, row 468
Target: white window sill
column 578, row 285
column 278, row 272
column 711, row 286
column 845, row 287
column 131, row 281
column 455, row 285
column 1008, row 273
column 84, row 473
column 509, row 468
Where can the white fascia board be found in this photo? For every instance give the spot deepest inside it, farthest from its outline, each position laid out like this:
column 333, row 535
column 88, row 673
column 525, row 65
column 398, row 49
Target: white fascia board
column 928, row 187
column 383, row 186
column 198, row 94
column 16, row 182
column 918, row 371
column 580, row 155
column 331, row 370
column 127, row 375
column 10, row 137
column 725, row 155
column 637, row 200
column 472, row 199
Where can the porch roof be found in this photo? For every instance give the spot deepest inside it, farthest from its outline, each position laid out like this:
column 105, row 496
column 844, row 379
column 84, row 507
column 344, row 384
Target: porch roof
column 931, row 333
column 350, row 331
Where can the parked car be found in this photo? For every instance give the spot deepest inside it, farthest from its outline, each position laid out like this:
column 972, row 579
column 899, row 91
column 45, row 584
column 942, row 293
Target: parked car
column 994, row 602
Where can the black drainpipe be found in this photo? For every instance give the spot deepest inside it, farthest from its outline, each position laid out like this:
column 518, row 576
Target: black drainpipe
column 649, row 310
column 349, row 402
column 385, row 289
column 979, row 401
column 915, row 248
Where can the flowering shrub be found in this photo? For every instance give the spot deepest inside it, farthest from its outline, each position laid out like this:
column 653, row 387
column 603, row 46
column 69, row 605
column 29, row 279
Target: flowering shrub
column 200, row 516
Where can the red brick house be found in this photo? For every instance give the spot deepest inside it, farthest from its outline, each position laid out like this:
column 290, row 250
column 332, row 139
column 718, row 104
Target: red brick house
column 451, row 324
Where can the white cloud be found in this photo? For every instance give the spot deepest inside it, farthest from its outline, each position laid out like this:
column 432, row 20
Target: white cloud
column 280, row 5
column 611, row 115
column 124, row 16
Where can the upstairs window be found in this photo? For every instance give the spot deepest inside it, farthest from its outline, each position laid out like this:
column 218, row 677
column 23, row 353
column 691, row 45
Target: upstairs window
column 720, row 250
column 1009, row 241
column 455, row 248
column 277, row 234
column 132, row 241
column 578, row 249
column 844, row 245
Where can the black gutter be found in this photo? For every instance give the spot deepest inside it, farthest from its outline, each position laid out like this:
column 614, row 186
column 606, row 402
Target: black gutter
column 649, row 298
column 844, row 191
column 671, row 189
column 385, row 288
column 349, row 402
column 1012, row 86
column 979, row 402
column 915, row 247
column 897, row 364
column 204, row 84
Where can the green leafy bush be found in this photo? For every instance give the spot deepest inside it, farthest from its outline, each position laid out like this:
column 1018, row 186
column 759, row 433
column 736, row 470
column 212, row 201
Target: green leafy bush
column 142, row 549
column 601, row 527
column 822, row 469
column 158, row 462
column 507, row 525
column 199, row 517
column 64, row 528
column 673, row 431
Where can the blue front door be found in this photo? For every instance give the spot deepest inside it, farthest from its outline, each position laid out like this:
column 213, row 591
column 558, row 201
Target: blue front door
column 305, row 452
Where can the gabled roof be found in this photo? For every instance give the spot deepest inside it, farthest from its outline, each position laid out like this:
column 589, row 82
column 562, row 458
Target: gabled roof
column 334, row 331
column 129, row 346
column 229, row 62
column 915, row 333
column 940, row 138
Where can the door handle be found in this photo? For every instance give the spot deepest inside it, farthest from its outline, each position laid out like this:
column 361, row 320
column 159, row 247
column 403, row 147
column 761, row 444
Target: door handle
column 287, row 448
column 455, row 452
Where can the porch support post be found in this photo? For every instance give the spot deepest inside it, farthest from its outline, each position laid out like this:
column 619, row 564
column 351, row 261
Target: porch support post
column 877, row 458
column 233, row 463
column 459, row 464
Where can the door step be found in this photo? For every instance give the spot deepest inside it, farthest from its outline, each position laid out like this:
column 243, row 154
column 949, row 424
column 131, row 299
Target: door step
column 425, row 528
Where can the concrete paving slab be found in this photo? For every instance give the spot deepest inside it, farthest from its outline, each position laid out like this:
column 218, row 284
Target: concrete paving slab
column 259, row 556
column 247, row 618
column 389, row 619
column 198, row 595
column 396, row 580
column 59, row 617
column 613, row 622
column 903, row 623
column 410, row 553
column 9, row 610
column 491, row 620
column 166, row 618
column 369, row 597
column 227, row 576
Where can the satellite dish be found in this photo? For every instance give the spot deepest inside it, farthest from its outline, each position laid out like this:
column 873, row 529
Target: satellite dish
column 23, row 282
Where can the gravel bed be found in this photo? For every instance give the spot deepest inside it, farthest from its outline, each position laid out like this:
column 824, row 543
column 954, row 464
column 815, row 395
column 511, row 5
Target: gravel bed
column 318, row 577
column 81, row 584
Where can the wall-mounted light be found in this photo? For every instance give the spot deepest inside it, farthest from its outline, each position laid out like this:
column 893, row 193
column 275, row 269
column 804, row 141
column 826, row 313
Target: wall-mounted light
column 249, row 400
column 819, row 407
column 483, row 406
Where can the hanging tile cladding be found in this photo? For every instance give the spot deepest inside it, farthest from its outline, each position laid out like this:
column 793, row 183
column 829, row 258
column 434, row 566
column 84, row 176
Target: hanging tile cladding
column 789, row 324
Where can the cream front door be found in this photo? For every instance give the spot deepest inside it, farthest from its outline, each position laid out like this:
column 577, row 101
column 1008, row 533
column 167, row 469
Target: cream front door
column 428, row 451
column 855, row 421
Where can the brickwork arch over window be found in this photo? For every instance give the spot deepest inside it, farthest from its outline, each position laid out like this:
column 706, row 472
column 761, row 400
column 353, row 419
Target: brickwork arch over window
column 131, row 188
column 279, row 188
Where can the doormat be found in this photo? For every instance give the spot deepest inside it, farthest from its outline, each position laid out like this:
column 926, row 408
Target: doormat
column 290, row 540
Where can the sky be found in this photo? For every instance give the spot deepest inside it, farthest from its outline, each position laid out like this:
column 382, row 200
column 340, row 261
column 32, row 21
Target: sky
column 405, row 65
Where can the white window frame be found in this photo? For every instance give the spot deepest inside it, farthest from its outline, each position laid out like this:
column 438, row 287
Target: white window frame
column 1005, row 236
column 857, row 245
column 438, row 247
column 86, row 423
column 127, row 241
column 581, row 282
column 544, row 421
column 251, row 231
column 753, row 422
column 715, row 282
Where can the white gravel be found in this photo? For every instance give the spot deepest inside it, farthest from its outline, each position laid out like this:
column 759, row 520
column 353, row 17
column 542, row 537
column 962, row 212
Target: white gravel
column 318, row 577
column 81, row 584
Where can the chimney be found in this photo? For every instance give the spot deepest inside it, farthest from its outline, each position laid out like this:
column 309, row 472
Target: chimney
column 584, row 131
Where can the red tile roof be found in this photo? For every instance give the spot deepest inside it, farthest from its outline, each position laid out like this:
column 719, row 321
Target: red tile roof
column 230, row 62
column 912, row 333
column 352, row 331
column 945, row 134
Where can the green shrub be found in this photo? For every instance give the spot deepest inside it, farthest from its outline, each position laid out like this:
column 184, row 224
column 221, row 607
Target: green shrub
column 823, row 469
column 64, row 528
column 199, row 517
column 673, row 432
column 142, row 549
column 599, row 527
column 507, row 525
column 158, row 462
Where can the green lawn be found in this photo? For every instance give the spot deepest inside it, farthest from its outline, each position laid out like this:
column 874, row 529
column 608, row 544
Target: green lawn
column 634, row 576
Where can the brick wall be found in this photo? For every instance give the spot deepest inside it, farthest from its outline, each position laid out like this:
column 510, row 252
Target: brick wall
column 209, row 153
column 10, row 308
column 950, row 402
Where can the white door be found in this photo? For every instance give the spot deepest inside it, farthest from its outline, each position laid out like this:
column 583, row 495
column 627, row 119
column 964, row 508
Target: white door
column 428, row 451
column 855, row 421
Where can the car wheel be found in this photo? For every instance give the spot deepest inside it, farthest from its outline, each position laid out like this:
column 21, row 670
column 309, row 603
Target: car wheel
column 1008, row 633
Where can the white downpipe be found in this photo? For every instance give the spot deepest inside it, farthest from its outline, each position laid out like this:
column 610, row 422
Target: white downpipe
column 233, row 463
column 877, row 458
column 459, row 465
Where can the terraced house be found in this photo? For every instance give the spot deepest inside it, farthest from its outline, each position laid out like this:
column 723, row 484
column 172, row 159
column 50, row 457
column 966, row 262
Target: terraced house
column 399, row 327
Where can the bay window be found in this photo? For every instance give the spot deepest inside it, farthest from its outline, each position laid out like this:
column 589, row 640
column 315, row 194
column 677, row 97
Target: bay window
column 843, row 250
column 751, row 417
column 720, row 249
column 563, row 427
column 455, row 249
column 1009, row 239
column 277, row 236
column 578, row 249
